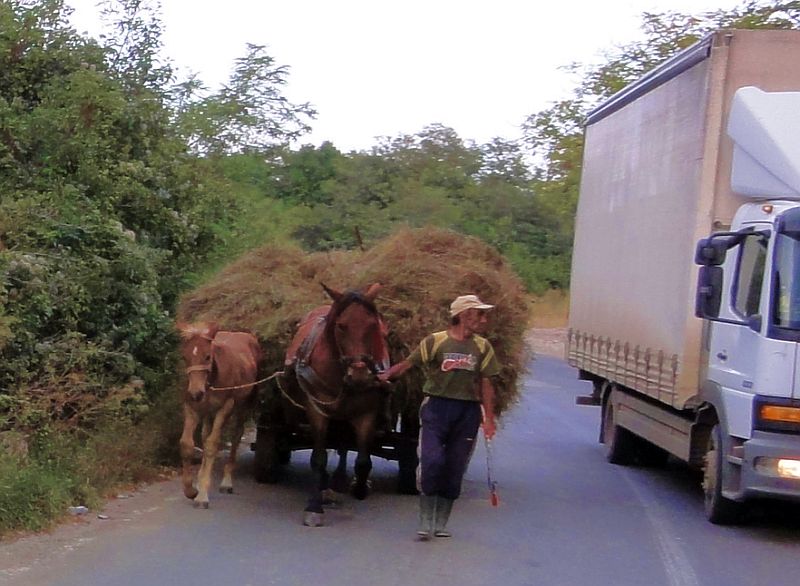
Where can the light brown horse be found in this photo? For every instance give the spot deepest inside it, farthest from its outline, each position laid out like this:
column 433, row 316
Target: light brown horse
column 222, row 368
column 331, row 367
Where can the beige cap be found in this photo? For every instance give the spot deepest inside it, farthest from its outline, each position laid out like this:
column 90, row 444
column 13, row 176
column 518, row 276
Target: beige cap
column 465, row 302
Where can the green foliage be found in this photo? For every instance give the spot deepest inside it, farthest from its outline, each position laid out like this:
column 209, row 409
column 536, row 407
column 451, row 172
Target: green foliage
column 249, row 113
column 434, row 178
column 106, row 214
column 60, row 470
column 96, row 217
column 31, row 495
column 554, row 136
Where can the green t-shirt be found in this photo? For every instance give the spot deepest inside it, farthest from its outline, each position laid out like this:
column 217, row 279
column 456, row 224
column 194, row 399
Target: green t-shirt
column 453, row 368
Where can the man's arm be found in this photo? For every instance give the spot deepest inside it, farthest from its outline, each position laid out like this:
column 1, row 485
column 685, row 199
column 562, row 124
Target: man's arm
column 394, row 371
column 487, row 400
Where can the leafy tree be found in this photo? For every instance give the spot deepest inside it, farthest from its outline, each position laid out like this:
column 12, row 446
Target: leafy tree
column 299, row 176
column 105, row 211
column 248, row 114
column 554, row 136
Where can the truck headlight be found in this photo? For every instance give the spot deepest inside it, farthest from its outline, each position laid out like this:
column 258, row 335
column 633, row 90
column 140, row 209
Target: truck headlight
column 780, row 467
column 789, row 468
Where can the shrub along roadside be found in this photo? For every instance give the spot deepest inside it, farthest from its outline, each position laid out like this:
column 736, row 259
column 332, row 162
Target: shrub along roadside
column 61, row 468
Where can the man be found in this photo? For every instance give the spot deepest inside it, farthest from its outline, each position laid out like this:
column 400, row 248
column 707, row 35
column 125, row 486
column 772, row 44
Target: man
column 458, row 364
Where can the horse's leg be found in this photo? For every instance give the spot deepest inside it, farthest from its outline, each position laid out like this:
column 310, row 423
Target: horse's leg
column 230, row 464
column 312, row 516
column 364, row 427
column 206, row 429
column 190, row 421
column 339, row 477
column 210, row 449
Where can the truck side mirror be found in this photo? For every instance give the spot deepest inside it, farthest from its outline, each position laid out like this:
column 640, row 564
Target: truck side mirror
column 709, row 292
column 711, row 251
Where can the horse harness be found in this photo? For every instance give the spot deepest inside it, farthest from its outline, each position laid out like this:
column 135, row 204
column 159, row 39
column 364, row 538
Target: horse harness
column 209, row 367
column 307, row 377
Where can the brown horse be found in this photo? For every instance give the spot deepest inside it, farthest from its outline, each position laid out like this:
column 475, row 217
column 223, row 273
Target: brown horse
column 222, row 368
column 331, row 368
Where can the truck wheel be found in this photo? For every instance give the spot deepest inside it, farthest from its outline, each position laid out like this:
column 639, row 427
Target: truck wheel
column 620, row 443
column 719, row 510
column 266, row 460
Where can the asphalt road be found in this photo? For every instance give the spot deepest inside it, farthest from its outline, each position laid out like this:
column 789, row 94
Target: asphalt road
column 566, row 517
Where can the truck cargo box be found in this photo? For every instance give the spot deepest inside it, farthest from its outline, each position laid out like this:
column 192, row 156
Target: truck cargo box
column 656, row 179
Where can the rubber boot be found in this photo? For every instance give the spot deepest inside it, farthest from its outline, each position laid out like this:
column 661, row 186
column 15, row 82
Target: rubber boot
column 427, row 513
column 443, row 508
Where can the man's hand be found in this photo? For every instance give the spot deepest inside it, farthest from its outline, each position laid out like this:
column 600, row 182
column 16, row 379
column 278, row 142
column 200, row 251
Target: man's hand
column 394, row 371
column 489, row 428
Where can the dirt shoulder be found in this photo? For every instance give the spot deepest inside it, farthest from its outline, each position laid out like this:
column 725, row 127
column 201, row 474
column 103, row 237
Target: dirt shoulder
column 547, row 341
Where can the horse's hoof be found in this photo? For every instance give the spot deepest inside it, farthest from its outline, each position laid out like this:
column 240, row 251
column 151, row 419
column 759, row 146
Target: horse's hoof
column 190, row 494
column 331, row 497
column 203, row 505
column 312, row 519
column 226, row 489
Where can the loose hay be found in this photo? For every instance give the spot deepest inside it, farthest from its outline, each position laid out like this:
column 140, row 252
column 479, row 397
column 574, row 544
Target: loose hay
column 268, row 290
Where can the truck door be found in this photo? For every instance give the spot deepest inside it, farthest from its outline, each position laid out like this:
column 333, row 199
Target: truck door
column 734, row 344
column 785, row 315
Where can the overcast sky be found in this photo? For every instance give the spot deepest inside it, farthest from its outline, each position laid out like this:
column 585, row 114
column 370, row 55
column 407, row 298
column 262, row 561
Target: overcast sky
column 383, row 68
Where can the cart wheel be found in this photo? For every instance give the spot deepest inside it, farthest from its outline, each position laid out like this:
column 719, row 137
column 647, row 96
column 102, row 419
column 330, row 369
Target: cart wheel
column 284, row 456
column 266, row 460
column 407, row 474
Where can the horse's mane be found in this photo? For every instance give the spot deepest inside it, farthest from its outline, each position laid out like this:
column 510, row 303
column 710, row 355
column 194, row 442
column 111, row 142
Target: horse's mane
column 189, row 331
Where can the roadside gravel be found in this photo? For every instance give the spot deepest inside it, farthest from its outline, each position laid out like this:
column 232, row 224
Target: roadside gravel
column 547, row 341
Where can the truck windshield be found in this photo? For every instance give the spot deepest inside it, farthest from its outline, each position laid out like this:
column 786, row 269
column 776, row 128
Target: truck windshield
column 786, row 311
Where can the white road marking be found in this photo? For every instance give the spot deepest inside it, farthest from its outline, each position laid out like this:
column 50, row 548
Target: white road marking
column 676, row 563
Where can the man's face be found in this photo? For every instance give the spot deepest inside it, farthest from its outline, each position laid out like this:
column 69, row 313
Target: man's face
column 475, row 320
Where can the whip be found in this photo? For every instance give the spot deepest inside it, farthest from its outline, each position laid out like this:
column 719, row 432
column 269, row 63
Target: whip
column 489, row 476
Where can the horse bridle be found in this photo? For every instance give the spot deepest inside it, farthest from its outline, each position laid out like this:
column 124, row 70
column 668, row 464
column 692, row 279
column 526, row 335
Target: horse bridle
column 203, row 367
column 368, row 359
column 199, row 367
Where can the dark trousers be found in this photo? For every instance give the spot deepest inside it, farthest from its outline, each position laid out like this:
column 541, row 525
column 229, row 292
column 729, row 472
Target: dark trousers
column 446, row 442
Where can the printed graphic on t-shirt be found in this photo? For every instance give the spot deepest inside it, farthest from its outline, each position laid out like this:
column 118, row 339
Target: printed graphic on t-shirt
column 458, row 361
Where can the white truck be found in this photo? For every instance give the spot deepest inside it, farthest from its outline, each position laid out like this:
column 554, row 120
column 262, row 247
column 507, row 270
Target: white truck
column 685, row 289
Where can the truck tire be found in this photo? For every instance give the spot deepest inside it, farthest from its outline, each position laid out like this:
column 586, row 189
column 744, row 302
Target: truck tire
column 267, row 458
column 621, row 444
column 719, row 510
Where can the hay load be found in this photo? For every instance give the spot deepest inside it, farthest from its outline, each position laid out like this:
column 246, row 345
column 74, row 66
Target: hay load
column 268, row 290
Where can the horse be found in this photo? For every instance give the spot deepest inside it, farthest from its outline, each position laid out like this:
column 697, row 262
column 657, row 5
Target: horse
column 221, row 368
column 330, row 368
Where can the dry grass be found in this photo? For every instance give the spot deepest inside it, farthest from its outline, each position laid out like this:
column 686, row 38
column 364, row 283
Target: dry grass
column 268, row 290
column 550, row 310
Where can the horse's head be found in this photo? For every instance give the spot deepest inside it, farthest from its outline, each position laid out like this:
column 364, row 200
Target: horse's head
column 355, row 328
column 197, row 349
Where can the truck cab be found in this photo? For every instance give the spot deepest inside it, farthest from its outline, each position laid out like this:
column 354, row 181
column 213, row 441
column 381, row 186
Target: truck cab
column 749, row 293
